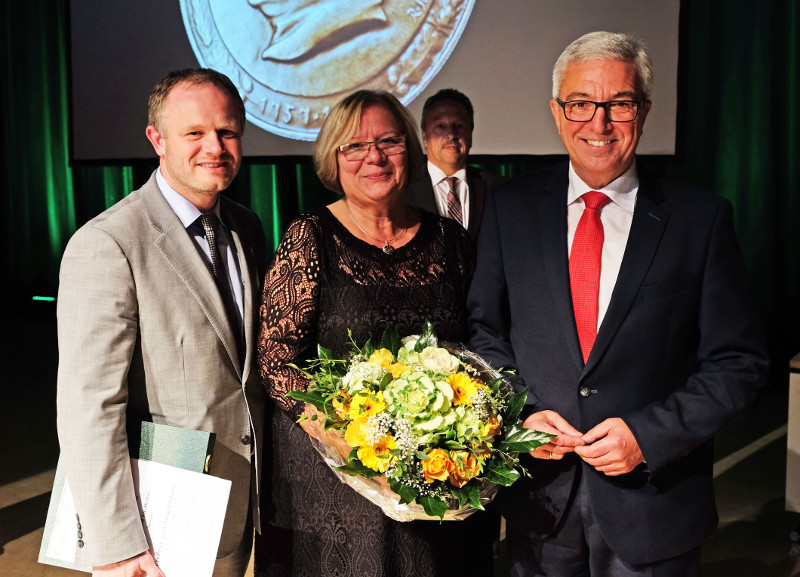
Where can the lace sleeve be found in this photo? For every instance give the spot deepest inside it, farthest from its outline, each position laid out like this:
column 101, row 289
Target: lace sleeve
column 289, row 312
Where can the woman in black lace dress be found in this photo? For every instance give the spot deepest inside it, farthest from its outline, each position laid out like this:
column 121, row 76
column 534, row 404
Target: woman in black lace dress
column 363, row 260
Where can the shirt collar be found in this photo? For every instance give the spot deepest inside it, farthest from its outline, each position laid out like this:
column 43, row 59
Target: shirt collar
column 622, row 190
column 437, row 174
column 180, row 205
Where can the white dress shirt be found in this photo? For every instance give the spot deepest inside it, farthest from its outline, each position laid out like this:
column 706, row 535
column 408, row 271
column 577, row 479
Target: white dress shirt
column 441, row 188
column 616, row 217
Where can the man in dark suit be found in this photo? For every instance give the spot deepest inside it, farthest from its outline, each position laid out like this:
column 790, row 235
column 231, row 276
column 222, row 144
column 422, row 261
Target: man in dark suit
column 622, row 302
column 451, row 188
column 157, row 322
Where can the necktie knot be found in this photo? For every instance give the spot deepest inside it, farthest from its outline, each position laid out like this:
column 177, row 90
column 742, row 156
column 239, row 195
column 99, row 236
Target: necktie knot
column 595, row 200
column 209, row 221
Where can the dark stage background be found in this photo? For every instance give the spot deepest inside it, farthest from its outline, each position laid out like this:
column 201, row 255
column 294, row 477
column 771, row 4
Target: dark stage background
column 738, row 134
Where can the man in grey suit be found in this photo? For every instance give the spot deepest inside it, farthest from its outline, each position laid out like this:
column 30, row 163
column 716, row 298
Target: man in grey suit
column 451, row 188
column 144, row 332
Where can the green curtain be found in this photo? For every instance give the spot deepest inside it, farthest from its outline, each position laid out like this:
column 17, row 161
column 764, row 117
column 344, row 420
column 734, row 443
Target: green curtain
column 738, row 133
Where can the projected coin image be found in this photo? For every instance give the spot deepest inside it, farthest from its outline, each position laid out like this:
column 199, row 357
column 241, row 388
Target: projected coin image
column 292, row 60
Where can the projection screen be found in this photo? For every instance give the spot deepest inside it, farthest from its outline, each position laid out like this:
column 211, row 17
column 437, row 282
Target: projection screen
column 293, row 59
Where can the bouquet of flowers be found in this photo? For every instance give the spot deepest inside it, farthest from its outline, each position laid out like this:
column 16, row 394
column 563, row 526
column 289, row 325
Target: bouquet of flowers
column 423, row 429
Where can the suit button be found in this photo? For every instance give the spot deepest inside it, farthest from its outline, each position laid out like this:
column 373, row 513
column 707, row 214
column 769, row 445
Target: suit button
column 584, row 392
column 80, row 544
column 245, row 439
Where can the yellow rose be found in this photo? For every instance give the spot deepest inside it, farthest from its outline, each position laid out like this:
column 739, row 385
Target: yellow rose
column 341, row 404
column 378, row 457
column 398, row 369
column 482, row 450
column 366, row 403
column 437, row 466
column 465, row 467
column 356, row 432
column 463, row 388
column 382, row 357
column 490, row 428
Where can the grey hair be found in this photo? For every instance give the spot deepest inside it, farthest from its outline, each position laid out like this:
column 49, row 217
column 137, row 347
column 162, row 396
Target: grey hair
column 607, row 46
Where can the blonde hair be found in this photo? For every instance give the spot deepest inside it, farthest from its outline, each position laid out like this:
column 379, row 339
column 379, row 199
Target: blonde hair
column 343, row 122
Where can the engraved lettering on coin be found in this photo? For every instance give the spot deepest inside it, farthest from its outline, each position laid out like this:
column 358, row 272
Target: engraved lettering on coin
column 292, row 60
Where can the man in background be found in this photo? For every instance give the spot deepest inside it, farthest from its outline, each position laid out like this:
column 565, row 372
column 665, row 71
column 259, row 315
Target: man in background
column 156, row 309
column 451, row 188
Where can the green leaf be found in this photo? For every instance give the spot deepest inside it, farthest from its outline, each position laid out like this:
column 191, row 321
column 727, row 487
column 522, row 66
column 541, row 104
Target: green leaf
column 324, row 354
column 518, row 439
column 500, row 474
column 354, row 468
column 515, row 406
column 311, row 397
column 462, row 494
column 469, row 494
column 391, row 340
column 387, row 378
column 474, row 496
column 433, row 506
column 427, row 338
column 367, row 349
column 406, row 493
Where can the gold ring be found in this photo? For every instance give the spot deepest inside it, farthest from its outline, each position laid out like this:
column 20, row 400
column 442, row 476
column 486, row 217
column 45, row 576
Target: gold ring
column 550, row 453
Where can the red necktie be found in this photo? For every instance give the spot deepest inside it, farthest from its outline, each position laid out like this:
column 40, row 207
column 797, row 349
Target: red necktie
column 453, row 203
column 584, row 269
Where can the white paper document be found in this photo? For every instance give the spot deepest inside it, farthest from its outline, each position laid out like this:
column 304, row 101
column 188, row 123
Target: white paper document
column 182, row 512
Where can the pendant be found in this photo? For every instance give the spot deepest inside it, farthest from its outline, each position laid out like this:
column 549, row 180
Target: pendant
column 387, row 248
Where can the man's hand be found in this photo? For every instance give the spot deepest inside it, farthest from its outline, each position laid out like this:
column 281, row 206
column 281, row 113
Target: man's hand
column 142, row 564
column 611, row 448
column 551, row 422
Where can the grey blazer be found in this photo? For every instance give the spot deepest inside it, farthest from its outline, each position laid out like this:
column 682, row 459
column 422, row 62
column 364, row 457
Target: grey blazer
column 419, row 193
column 142, row 334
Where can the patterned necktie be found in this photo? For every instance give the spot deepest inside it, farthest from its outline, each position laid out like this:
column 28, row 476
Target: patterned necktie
column 453, row 204
column 584, row 269
column 209, row 221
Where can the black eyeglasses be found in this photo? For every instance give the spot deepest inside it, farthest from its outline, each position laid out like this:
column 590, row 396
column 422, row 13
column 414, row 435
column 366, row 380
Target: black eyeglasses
column 616, row 110
column 360, row 150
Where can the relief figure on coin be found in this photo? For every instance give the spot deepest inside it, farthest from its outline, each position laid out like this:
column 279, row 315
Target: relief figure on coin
column 302, row 29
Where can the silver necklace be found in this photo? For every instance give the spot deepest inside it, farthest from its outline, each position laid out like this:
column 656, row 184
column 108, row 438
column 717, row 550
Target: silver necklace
column 387, row 248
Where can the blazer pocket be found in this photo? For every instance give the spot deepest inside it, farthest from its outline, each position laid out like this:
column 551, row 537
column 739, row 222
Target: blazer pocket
column 666, row 289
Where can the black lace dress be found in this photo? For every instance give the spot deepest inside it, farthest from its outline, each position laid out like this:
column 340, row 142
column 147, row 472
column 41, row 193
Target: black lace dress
column 322, row 282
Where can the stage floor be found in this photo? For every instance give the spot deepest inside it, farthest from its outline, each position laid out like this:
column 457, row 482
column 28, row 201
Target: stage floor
column 751, row 541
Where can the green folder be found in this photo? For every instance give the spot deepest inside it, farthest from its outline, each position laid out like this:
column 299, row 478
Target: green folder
column 183, row 448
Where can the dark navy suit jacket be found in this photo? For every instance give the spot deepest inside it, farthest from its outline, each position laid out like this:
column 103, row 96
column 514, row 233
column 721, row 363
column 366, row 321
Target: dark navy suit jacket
column 679, row 353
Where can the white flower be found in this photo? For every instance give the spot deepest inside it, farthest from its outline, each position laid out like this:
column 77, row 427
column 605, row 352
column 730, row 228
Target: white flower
column 362, row 375
column 439, row 360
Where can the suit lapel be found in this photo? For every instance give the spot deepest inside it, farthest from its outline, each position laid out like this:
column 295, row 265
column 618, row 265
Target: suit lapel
column 250, row 291
column 553, row 230
column 477, row 197
column 181, row 252
column 420, row 193
column 647, row 228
